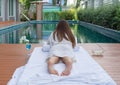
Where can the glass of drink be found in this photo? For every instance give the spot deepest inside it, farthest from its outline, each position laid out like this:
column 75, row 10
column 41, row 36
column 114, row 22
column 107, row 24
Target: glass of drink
column 28, row 47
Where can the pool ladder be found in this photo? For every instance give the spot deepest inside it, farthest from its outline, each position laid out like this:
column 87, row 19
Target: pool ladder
column 26, row 18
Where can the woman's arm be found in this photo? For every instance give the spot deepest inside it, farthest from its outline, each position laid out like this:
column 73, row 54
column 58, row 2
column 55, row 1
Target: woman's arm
column 76, row 48
column 50, row 39
column 75, row 41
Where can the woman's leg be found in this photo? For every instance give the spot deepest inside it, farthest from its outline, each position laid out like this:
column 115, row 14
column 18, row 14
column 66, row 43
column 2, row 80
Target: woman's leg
column 51, row 62
column 68, row 62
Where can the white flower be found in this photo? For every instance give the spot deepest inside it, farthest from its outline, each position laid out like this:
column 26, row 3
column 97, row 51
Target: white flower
column 24, row 40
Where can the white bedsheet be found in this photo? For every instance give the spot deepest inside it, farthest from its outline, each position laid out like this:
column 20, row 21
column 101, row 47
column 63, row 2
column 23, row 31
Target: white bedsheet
column 85, row 71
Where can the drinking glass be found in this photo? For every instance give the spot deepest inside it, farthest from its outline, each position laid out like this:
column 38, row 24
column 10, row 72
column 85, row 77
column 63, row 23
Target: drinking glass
column 28, row 47
column 98, row 50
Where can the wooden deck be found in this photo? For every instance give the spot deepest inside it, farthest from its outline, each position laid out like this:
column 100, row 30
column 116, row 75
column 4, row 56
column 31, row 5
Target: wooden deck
column 8, row 23
column 14, row 55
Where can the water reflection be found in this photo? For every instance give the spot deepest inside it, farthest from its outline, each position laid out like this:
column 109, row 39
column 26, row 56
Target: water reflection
column 36, row 32
column 86, row 35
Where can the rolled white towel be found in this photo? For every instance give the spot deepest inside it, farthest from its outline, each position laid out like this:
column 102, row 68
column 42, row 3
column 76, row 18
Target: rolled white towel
column 46, row 48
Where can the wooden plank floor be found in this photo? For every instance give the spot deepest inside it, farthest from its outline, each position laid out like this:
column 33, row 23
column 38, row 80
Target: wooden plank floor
column 14, row 55
column 8, row 23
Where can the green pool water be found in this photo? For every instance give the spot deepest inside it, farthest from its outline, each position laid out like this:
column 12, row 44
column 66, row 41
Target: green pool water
column 86, row 35
column 38, row 32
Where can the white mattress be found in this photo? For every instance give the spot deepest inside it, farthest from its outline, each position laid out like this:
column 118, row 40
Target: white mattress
column 85, row 71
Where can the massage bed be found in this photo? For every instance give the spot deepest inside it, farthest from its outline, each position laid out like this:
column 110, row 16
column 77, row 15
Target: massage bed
column 85, row 71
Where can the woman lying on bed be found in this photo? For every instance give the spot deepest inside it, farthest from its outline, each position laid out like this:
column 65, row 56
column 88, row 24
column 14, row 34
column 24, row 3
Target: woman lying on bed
column 62, row 42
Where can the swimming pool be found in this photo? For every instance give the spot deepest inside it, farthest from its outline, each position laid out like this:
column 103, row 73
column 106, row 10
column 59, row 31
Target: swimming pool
column 41, row 31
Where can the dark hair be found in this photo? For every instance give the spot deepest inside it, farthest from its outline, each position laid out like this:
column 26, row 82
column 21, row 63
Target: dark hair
column 63, row 29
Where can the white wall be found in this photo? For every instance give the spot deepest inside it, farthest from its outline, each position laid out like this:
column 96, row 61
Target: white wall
column 71, row 2
column 50, row 1
column 2, row 10
column 107, row 2
column 96, row 3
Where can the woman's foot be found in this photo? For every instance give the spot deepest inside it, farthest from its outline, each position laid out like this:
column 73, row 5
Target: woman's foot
column 66, row 72
column 51, row 62
column 53, row 71
column 68, row 62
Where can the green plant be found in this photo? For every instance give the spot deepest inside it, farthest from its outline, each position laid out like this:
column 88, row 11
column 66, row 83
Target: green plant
column 68, row 14
column 78, row 3
column 51, row 16
column 54, row 2
column 107, row 16
column 65, row 2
